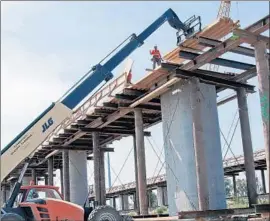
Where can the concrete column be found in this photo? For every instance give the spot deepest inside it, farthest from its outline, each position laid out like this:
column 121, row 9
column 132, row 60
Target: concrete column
column 247, row 146
column 234, row 186
column 263, row 181
column 160, row 196
column 114, row 202
column 34, row 176
column 65, row 155
column 99, row 174
column 62, row 180
column 46, row 180
column 125, row 202
column 78, row 177
column 179, row 121
column 165, row 196
column 199, row 146
column 50, row 171
column 262, row 65
column 139, row 132
column 121, row 199
column 102, row 178
column 136, row 202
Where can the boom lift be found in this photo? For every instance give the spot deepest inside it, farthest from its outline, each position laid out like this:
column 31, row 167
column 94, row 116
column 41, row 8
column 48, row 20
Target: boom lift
column 26, row 143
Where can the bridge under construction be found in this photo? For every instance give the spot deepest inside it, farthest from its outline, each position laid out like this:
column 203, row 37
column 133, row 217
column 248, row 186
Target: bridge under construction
column 179, row 94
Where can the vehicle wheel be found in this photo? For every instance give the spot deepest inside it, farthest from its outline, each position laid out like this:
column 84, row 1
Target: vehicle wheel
column 105, row 213
column 127, row 218
column 11, row 217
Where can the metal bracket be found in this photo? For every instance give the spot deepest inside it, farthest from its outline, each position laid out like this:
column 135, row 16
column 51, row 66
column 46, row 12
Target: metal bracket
column 190, row 30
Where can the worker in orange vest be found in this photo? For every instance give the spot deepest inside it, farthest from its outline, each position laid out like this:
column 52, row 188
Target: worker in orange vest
column 129, row 76
column 156, row 57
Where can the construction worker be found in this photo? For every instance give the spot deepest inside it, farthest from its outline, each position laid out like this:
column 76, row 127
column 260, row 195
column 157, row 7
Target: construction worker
column 129, row 77
column 156, row 57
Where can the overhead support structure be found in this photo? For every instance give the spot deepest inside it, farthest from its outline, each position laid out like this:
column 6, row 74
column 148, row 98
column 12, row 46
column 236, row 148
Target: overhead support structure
column 247, row 146
column 112, row 131
column 217, row 61
column 226, row 46
column 140, row 151
column 77, row 148
column 238, row 50
column 208, row 79
column 251, row 38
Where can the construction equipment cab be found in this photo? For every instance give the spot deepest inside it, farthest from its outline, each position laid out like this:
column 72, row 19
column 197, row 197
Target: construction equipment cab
column 39, row 203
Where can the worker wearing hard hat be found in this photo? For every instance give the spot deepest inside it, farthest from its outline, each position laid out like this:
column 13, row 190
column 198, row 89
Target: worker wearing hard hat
column 156, row 56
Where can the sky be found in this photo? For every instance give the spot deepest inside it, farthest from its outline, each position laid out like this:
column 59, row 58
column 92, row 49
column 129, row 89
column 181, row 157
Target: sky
column 48, row 46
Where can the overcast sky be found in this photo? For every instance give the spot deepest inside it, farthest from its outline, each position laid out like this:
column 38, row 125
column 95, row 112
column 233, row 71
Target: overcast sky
column 47, row 46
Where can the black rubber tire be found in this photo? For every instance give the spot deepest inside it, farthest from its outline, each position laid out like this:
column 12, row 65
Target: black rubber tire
column 11, row 217
column 104, row 213
column 127, row 218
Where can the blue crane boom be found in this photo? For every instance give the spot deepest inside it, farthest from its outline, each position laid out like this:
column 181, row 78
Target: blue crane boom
column 36, row 133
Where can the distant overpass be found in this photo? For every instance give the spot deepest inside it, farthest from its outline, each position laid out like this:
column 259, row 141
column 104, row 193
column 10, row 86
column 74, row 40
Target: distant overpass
column 232, row 166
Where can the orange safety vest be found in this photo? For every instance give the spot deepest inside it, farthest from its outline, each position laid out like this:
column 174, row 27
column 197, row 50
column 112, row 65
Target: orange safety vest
column 156, row 53
column 129, row 77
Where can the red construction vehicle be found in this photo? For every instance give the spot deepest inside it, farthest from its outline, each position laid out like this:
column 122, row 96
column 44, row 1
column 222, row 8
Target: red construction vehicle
column 45, row 203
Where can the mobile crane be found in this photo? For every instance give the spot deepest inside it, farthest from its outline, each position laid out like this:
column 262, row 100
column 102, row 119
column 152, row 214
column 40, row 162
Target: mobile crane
column 26, row 143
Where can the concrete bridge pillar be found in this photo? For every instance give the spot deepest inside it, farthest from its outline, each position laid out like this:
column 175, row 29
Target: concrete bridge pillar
column 66, row 183
column 99, row 171
column 234, row 186
column 78, row 176
column 160, row 196
column 50, row 171
column 263, row 181
column 193, row 155
column 124, row 202
column 247, row 146
column 262, row 66
column 62, row 180
column 140, row 151
column 34, row 176
column 136, row 195
column 114, row 202
column 46, row 180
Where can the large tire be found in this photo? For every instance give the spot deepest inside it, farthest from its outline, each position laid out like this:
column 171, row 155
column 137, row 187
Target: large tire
column 104, row 213
column 11, row 217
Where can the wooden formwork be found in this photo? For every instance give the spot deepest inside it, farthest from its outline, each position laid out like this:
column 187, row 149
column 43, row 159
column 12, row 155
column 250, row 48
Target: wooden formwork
column 217, row 30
